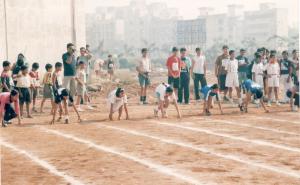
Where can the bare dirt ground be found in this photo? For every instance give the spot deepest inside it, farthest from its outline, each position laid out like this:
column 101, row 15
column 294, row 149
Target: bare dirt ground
column 235, row 148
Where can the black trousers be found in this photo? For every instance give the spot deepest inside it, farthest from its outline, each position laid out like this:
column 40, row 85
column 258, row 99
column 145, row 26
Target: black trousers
column 198, row 78
column 9, row 113
column 184, row 87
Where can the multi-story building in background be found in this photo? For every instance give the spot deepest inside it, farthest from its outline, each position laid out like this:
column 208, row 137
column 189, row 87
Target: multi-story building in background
column 266, row 25
column 191, row 33
column 40, row 29
column 157, row 26
column 134, row 26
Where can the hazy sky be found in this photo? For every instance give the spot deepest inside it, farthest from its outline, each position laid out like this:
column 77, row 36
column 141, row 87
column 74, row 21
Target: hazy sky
column 189, row 8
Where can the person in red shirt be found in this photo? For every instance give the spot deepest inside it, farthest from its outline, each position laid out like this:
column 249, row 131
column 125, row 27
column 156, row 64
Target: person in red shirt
column 174, row 65
column 7, row 113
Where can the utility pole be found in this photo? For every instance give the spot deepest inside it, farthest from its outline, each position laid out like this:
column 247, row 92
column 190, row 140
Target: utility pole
column 73, row 21
column 5, row 28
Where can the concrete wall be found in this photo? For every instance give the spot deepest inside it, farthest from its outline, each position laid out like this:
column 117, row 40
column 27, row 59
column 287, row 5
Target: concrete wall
column 40, row 29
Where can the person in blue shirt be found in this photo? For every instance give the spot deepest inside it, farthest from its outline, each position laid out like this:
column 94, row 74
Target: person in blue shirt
column 254, row 89
column 209, row 91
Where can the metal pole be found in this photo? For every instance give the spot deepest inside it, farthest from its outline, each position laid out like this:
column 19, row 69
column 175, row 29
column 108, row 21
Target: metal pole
column 73, row 21
column 5, row 29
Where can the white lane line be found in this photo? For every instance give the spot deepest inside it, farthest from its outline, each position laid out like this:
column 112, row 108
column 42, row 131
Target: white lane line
column 156, row 167
column 205, row 150
column 275, row 119
column 249, row 126
column 238, row 138
column 52, row 169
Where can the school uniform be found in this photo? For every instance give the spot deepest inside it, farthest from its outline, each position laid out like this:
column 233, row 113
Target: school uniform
column 81, row 88
column 252, row 87
column 160, row 92
column 48, row 89
column 258, row 70
column 115, row 101
column 207, row 92
column 285, row 64
column 23, row 86
column 232, row 79
column 145, row 69
column 273, row 72
column 7, row 80
column 34, row 83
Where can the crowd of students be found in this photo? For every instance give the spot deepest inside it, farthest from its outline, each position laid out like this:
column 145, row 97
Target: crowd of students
column 252, row 81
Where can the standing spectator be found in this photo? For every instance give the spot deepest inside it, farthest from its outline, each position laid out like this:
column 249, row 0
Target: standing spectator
column 258, row 71
column 285, row 74
column 48, row 92
column 243, row 66
column 16, row 68
column 6, row 79
column 174, row 65
column 69, row 62
column 85, row 57
column 273, row 71
column 184, row 85
column 57, row 79
column 295, row 66
column 199, row 72
column 110, row 66
column 232, row 79
column 35, row 85
column 144, row 70
column 98, row 67
column 220, row 71
column 23, row 86
column 81, row 87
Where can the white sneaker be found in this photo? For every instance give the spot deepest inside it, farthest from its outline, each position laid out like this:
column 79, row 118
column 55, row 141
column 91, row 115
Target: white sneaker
column 80, row 109
column 269, row 104
column 295, row 109
column 277, row 103
column 90, row 107
column 141, row 103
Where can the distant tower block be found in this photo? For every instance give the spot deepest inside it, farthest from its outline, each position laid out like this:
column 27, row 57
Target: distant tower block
column 205, row 11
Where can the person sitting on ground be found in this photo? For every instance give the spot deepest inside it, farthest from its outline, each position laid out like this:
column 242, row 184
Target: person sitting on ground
column 293, row 94
column 62, row 95
column 164, row 94
column 117, row 100
column 209, row 91
column 254, row 89
column 7, row 112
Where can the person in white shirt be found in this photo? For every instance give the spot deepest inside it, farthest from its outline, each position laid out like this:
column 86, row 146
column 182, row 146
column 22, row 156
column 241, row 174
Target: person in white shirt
column 273, row 72
column 81, row 79
column 97, row 67
column 232, row 79
column 23, row 86
column 164, row 94
column 258, row 72
column 117, row 100
column 144, row 69
column 199, row 72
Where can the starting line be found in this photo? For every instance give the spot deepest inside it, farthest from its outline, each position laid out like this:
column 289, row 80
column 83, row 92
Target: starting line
column 274, row 119
column 52, row 169
column 250, row 126
column 205, row 150
column 237, row 138
column 156, row 167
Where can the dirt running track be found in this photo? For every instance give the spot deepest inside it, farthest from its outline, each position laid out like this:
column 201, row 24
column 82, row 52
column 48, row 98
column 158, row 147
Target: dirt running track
column 229, row 149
